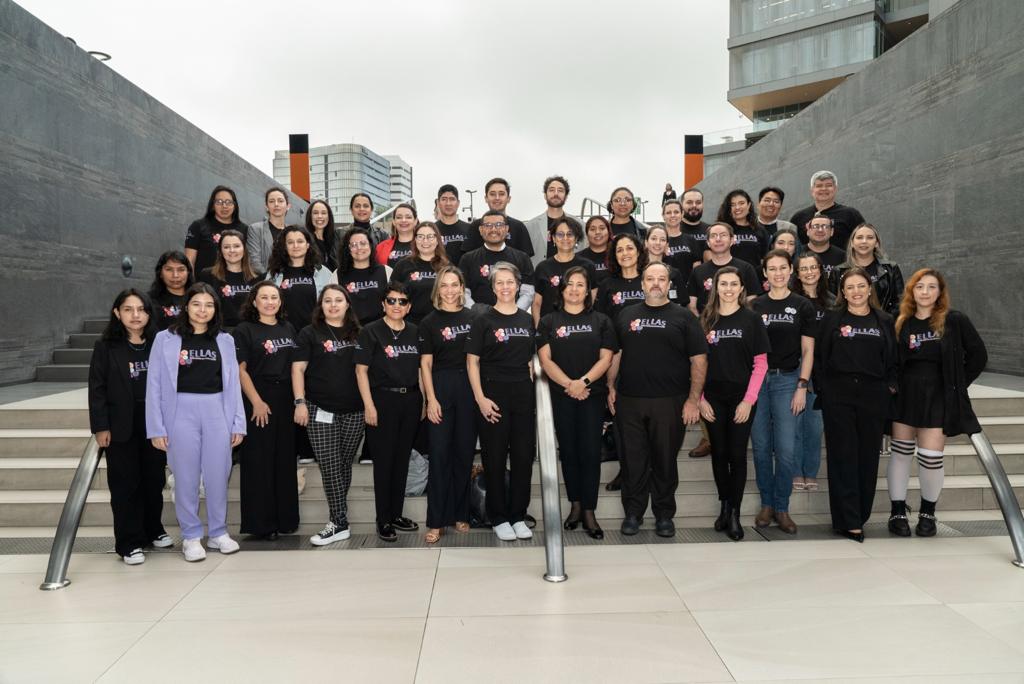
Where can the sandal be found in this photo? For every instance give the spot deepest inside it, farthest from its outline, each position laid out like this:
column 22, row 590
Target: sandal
column 798, row 484
column 462, row 527
column 811, row 485
column 433, row 535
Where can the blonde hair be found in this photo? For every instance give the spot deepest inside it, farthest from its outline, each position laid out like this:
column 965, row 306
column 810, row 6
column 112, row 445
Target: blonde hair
column 435, row 294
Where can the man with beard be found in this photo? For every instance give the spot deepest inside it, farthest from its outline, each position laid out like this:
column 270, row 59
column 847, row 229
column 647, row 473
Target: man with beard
column 844, row 219
column 769, row 206
column 453, row 230
column 497, row 194
column 556, row 190
column 693, row 211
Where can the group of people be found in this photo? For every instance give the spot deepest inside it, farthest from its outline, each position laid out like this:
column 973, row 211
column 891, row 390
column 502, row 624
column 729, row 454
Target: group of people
column 303, row 341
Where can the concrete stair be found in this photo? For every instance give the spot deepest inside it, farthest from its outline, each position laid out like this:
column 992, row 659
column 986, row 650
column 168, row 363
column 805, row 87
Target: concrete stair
column 71, row 363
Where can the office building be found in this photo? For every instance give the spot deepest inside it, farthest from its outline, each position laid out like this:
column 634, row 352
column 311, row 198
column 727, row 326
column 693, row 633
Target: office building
column 401, row 178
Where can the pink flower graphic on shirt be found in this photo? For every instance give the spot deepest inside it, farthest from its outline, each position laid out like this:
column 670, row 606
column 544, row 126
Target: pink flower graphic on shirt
column 555, row 280
column 617, row 298
column 329, row 346
column 447, row 334
column 216, row 238
column 415, row 275
column 390, row 352
column 226, row 291
column 500, row 335
column 285, row 284
column 846, row 331
column 183, row 358
column 351, row 287
column 764, row 318
column 766, row 286
column 485, row 270
column 562, row 332
column 914, row 342
column 707, row 284
column 269, row 347
column 712, row 337
column 634, row 324
column 172, row 311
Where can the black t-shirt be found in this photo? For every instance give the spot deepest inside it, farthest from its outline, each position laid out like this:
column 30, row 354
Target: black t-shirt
column 138, row 368
column 199, row 365
column 330, row 377
column 166, row 309
column 628, row 227
column 576, row 341
column 858, row 347
column 298, row 291
column 204, row 237
column 682, row 252
column 518, row 237
column 399, row 250
column 548, row 277
column 233, row 290
column 365, row 287
column 830, row 260
column 505, row 344
column 703, row 278
column 733, row 342
column 476, row 267
column 770, row 229
column 418, row 276
column 616, row 293
column 598, row 259
column 750, row 245
column 443, row 335
column 657, row 343
column 328, row 252
column 919, row 345
column 699, row 233
column 844, row 220
column 453, row 236
column 265, row 349
column 552, row 248
column 787, row 320
column 393, row 358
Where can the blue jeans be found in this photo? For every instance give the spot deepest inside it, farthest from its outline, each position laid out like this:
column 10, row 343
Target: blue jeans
column 774, row 439
column 808, row 440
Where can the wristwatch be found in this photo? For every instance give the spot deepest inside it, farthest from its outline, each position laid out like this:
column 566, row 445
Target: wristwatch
column 586, row 381
column 801, row 384
column 299, row 401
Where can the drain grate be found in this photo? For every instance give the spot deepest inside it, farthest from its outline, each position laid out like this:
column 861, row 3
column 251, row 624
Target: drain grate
column 978, row 528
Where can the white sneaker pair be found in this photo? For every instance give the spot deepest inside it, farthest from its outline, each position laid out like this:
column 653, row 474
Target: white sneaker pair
column 518, row 530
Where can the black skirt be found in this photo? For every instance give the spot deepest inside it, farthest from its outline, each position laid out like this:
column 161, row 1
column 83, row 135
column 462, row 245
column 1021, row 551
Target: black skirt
column 920, row 402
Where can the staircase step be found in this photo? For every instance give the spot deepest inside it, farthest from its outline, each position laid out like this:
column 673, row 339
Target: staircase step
column 94, row 325
column 62, row 373
column 82, row 340
column 42, row 419
column 72, row 356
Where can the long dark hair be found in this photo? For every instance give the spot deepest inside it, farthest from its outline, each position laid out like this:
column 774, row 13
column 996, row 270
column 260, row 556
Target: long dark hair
column 725, row 210
column 821, row 291
column 279, row 256
column 115, row 329
column 158, row 289
column 219, row 270
column 249, row 312
column 709, row 316
column 210, row 216
column 349, row 322
column 183, row 326
column 345, row 263
column 588, row 302
column 614, row 268
column 328, row 229
column 440, row 256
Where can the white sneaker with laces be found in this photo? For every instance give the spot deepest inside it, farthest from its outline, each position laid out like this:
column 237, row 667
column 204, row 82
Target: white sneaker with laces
column 164, row 541
column 136, row 557
column 330, row 534
column 504, row 532
column 193, row 550
column 224, row 542
column 521, row 530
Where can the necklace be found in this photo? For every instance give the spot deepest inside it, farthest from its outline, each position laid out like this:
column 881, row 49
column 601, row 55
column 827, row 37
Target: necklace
column 136, row 348
column 395, row 333
column 330, row 329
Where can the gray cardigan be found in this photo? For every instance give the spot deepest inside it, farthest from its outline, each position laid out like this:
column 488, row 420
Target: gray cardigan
column 259, row 244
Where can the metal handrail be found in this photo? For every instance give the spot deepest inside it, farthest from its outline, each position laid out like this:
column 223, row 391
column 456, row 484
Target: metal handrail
column 587, row 209
column 384, row 214
column 551, row 500
column 1012, row 515
column 71, row 518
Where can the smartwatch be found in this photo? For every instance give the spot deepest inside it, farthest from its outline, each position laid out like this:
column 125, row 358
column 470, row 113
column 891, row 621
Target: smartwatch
column 586, row 381
column 299, row 401
column 801, row 384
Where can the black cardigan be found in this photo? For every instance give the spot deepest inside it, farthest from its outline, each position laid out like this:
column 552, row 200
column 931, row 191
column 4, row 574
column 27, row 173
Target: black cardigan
column 888, row 287
column 828, row 328
column 111, row 400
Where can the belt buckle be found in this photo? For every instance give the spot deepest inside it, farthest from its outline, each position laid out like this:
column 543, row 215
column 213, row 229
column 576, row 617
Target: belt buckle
column 403, row 390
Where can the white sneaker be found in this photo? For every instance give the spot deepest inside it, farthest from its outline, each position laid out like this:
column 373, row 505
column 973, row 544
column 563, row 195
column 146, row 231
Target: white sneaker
column 504, row 532
column 164, row 541
column 136, row 557
column 193, row 550
column 306, row 460
column 330, row 534
column 522, row 531
column 224, row 542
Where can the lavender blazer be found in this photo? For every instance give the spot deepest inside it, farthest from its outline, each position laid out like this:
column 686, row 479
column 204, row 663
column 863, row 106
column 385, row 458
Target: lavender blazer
column 162, row 384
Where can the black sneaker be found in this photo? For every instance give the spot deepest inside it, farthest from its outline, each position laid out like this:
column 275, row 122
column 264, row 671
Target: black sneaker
column 330, row 534
column 404, row 525
column 898, row 525
column 925, row 525
column 386, row 532
column 665, row 527
column 631, row 525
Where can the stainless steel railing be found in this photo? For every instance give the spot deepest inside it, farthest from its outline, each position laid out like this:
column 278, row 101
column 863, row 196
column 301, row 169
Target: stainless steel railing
column 551, row 500
column 70, row 518
column 1012, row 515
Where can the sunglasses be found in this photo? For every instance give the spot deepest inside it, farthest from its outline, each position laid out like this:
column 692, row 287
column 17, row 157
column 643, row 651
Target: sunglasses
column 397, row 301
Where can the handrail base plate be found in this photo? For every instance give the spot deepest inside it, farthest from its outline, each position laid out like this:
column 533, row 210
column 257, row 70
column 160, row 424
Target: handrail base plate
column 52, row 586
column 555, row 578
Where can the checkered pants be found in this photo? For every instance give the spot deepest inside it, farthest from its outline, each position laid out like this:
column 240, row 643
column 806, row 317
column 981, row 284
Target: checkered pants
column 335, row 445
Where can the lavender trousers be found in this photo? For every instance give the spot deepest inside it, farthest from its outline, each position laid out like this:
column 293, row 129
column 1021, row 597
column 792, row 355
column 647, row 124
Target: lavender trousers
column 199, row 445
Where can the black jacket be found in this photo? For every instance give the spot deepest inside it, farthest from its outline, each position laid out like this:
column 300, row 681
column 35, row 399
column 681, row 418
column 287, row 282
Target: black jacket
column 888, row 286
column 828, row 330
column 111, row 401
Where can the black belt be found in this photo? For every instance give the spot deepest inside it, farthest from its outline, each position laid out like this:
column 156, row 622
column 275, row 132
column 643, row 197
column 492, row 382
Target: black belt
column 780, row 371
column 399, row 390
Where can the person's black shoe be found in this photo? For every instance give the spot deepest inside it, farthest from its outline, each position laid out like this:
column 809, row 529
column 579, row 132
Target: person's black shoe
column 723, row 517
column 386, row 532
column 898, row 523
column 591, row 527
column 616, row 483
column 852, row 536
column 271, row 536
column 734, row 530
column 572, row 521
column 630, row 525
column 665, row 527
column 404, row 525
column 925, row 525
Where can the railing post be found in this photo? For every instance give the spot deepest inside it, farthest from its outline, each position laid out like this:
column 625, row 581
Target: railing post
column 551, row 500
column 1004, row 494
column 70, row 518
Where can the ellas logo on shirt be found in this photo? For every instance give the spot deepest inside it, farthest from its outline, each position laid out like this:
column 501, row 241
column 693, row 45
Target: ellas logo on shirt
column 627, row 296
column 273, row 346
column 788, row 317
column 393, row 351
column 216, row 238
column 333, row 346
column 422, row 275
column 361, row 285
column 292, row 282
column 506, row 334
column 916, row 341
column 554, row 280
column 137, row 368
column 485, row 270
column 708, row 282
column 569, row 330
column 639, row 324
column 716, row 336
column 452, row 332
column 850, row 331
column 189, row 356
column 172, row 311
column 229, row 291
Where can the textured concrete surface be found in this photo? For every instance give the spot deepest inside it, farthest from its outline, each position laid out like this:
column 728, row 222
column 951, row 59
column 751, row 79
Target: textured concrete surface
column 92, row 169
column 928, row 142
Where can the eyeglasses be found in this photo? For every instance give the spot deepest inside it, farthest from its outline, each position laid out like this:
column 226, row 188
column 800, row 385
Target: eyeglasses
column 563, row 236
column 622, row 200
column 489, row 226
column 819, row 226
column 770, row 200
column 397, row 301
column 224, row 203
column 429, row 237
column 808, row 269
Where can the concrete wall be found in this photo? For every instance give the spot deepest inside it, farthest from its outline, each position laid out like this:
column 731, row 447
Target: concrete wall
column 928, row 142
column 92, row 168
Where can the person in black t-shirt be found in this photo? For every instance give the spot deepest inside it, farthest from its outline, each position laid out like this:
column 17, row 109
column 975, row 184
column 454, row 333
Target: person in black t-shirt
column 865, row 250
column 692, row 225
column 598, row 233
column 387, row 372
column 231, row 276
column 172, row 277
column 769, row 207
column 453, row 230
column 655, row 383
column 295, row 267
column 364, row 281
column 698, row 287
column 737, row 361
column 750, row 241
column 855, row 362
column 320, row 225
column 476, row 265
column 657, row 246
column 548, row 276
column 623, row 286
column 117, row 418
column 622, row 206
column 418, row 271
column 823, row 192
column 264, row 344
column 451, row 410
column 819, row 235
column 499, row 351
column 683, row 252
column 575, row 345
column 497, row 194
column 327, row 401
column 203, row 236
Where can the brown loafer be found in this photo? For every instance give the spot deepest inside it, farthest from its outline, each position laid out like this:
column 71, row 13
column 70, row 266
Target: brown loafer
column 702, row 450
column 785, row 523
column 764, row 518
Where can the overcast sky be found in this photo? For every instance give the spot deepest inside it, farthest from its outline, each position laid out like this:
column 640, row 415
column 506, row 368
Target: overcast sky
column 599, row 91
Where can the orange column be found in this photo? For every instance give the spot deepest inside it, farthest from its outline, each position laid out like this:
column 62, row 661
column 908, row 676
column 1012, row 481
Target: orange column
column 693, row 160
column 298, row 161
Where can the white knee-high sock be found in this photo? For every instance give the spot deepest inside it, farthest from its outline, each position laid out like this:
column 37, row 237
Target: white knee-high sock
column 898, row 472
column 931, row 472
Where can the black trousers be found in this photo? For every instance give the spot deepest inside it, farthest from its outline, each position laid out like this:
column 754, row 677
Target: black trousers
column 854, row 411
column 451, row 445
column 269, row 489
column 728, row 440
column 136, row 478
column 649, row 432
column 578, row 426
column 513, row 439
column 389, row 444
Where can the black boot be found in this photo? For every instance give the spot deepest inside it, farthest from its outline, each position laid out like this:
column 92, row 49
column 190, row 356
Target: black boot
column 723, row 517
column 898, row 524
column 926, row 520
column 735, row 529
